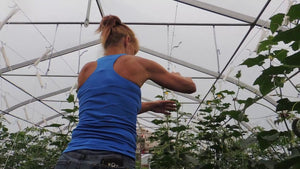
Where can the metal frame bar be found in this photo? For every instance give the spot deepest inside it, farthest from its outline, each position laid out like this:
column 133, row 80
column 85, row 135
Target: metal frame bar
column 19, row 118
column 132, row 23
column 225, row 12
column 100, row 8
column 24, row 91
column 54, row 55
column 39, row 98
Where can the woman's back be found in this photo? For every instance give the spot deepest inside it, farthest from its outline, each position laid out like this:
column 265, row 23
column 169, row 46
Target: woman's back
column 108, row 108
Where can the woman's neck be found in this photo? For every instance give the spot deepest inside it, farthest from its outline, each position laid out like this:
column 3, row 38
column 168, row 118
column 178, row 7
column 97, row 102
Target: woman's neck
column 114, row 50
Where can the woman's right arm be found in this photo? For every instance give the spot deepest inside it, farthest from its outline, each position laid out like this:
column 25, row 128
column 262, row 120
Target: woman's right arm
column 173, row 81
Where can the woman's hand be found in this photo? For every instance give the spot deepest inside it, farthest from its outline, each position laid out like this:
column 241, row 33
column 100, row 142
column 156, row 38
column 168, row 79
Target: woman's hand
column 159, row 106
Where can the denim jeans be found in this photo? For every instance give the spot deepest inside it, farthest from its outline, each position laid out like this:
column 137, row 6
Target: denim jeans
column 91, row 159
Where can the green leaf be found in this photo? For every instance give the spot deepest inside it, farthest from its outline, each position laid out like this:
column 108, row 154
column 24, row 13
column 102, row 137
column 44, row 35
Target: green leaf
column 257, row 61
column 277, row 70
column 267, row 138
column 178, row 128
column 266, row 44
column 207, row 109
column 249, row 102
column 157, row 122
column 271, row 137
column 294, row 12
column 286, row 104
column 220, row 118
column 54, row 125
column 226, row 91
column 71, row 118
column 237, row 115
column 293, row 60
column 265, row 83
column 276, row 21
column 159, row 97
column 238, row 74
column 289, row 35
column 296, row 45
column 71, row 99
column 279, row 81
column 280, row 54
column 68, row 110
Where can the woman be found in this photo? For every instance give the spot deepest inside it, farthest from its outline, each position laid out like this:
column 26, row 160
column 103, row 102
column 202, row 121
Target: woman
column 110, row 99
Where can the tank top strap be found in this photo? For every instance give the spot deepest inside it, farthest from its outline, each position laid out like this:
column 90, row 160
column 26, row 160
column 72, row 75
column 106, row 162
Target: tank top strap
column 107, row 62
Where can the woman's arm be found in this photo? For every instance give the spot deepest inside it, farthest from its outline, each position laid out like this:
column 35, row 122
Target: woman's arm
column 172, row 81
column 159, row 106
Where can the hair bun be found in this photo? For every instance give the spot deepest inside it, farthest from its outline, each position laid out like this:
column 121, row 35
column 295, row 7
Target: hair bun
column 109, row 21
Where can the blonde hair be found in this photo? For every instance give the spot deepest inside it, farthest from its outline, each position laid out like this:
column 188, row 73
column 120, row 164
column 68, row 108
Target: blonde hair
column 113, row 30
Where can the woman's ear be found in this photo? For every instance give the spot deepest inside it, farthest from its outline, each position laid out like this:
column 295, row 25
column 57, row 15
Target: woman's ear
column 126, row 41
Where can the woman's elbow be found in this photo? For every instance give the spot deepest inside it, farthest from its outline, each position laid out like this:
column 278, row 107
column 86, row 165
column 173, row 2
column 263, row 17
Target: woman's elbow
column 191, row 88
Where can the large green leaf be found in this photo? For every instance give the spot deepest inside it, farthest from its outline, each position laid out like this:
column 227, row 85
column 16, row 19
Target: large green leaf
column 229, row 92
column 286, row 36
column 68, row 110
column 269, row 79
column 286, row 104
column 157, row 122
column 259, row 60
column 296, row 45
column 237, row 115
column 280, row 54
column 276, row 21
column 264, row 81
column 279, row 81
column 54, row 125
column 266, row 138
column 293, row 60
column 278, row 70
column 266, row 44
column 178, row 128
column 294, row 12
column 248, row 102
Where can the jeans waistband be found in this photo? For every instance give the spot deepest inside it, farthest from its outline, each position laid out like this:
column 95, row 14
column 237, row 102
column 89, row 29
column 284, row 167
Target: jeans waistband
column 96, row 154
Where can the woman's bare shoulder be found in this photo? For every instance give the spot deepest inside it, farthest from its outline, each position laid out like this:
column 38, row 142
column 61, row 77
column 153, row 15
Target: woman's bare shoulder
column 86, row 71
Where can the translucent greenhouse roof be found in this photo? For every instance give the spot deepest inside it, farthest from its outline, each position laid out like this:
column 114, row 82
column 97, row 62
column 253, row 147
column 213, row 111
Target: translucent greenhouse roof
column 44, row 44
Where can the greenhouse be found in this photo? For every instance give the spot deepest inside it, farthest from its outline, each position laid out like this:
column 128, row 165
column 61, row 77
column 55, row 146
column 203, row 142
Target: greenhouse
column 243, row 57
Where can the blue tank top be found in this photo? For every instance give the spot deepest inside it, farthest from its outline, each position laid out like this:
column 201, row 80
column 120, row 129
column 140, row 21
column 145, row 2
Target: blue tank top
column 108, row 108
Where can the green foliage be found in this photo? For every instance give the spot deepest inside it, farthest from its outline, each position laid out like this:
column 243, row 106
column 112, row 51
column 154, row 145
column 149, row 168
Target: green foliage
column 218, row 142
column 275, row 75
column 276, row 21
column 36, row 147
column 259, row 60
column 174, row 149
column 294, row 12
